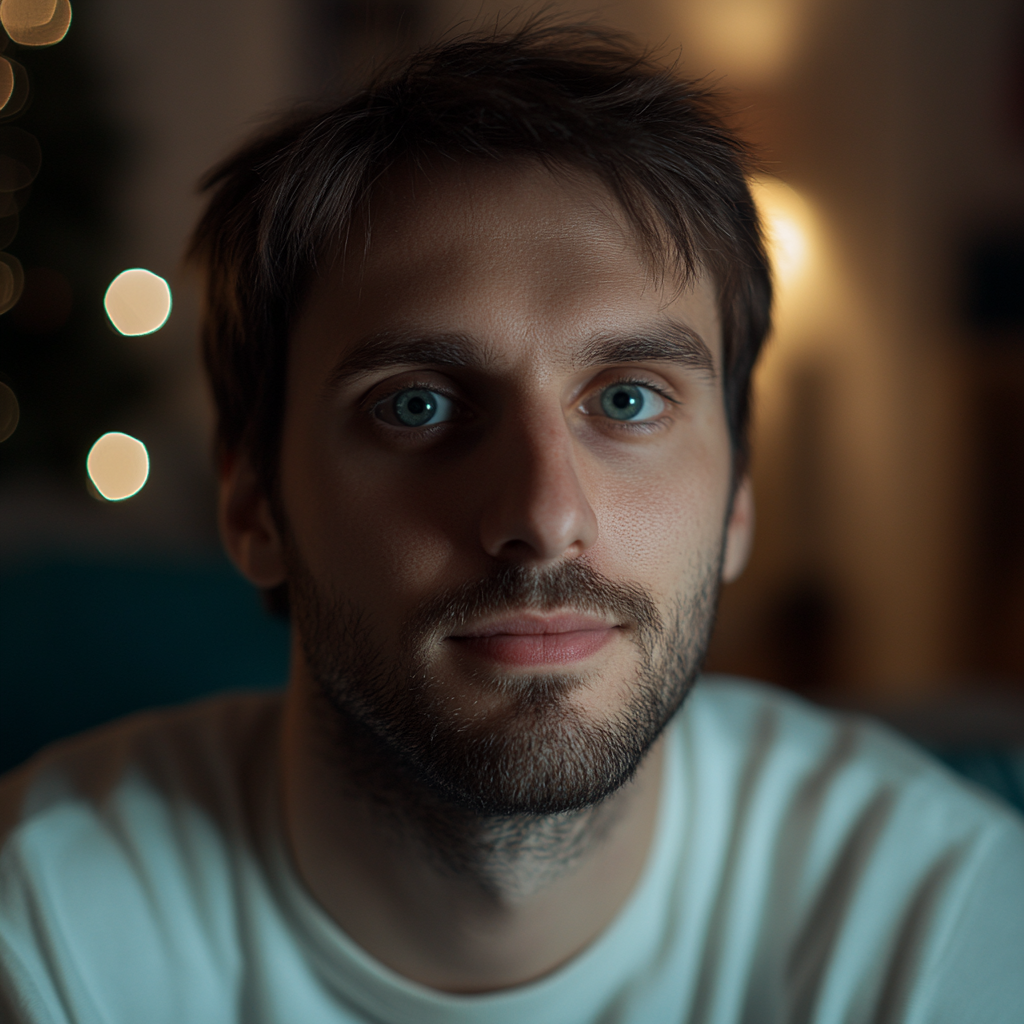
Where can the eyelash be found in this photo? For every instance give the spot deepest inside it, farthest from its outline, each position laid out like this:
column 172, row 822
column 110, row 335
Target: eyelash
column 644, row 426
column 411, row 386
column 636, row 381
column 642, row 383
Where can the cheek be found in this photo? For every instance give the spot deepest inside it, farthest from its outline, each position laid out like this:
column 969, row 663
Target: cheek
column 661, row 521
column 372, row 537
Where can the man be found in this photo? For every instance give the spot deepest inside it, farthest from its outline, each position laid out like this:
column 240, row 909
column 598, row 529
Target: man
column 480, row 342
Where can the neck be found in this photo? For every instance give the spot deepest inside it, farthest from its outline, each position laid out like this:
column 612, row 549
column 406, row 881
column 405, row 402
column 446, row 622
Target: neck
column 453, row 900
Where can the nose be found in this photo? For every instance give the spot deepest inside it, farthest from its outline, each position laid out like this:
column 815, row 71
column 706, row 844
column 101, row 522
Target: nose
column 536, row 508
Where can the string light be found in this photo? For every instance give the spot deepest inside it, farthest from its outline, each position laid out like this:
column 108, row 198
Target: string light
column 138, row 302
column 118, row 466
column 28, row 23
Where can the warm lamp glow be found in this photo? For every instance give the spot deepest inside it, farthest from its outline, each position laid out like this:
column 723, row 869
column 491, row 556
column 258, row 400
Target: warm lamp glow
column 138, row 302
column 787, row 221
column 746, row 40
column 118, row 466
column 36, row 22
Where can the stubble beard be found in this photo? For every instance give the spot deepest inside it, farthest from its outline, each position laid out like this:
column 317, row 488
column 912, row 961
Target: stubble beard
column 540, row 756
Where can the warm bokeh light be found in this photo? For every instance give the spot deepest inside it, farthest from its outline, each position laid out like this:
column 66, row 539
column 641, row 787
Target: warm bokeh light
column 118, row 466
column 6, row 81
column 138, row 302
column 36, row 22
column 788, row 225
column 9, row 412
column 12, row 280
column 17, row 96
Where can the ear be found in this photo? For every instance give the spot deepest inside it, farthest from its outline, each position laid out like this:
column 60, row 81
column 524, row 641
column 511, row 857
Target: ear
column 247, row 526
column 739, row 532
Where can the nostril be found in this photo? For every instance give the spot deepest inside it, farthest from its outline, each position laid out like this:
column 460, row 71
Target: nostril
column 542, row 526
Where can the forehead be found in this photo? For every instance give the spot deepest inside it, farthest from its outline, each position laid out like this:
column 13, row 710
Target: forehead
column 525, row 261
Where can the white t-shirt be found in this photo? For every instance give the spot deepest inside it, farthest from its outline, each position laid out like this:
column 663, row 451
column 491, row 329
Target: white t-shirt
column 805, row 867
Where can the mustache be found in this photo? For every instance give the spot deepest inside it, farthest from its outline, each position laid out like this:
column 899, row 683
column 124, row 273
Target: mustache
column 574, row 586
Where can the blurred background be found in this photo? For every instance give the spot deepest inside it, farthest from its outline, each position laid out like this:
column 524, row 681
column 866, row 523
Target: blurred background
column 888, row 572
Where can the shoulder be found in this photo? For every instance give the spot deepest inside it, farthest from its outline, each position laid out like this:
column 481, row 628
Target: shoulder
column 737, row 721
column 848, row 768
column 199, row 756
column 195, row 746
column 867, row 852
column 119, row 848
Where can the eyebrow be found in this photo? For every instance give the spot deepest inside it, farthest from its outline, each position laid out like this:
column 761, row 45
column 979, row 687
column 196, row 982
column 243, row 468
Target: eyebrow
column 668, row 341
column 386, row 349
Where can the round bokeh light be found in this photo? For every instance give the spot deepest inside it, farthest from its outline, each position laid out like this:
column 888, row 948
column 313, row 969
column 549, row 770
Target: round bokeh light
column 6, row 82
column 138, row 302
column 36, row 22
column 118, row 466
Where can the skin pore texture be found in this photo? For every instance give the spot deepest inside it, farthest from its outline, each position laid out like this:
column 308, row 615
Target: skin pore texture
column 505, row 506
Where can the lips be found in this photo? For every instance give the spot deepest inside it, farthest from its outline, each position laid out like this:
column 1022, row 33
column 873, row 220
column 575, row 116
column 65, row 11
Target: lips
column 537, row 640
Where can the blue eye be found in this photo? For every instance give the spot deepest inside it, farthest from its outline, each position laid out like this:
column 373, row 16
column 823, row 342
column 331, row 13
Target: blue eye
column 418, row 407
column 631, row 402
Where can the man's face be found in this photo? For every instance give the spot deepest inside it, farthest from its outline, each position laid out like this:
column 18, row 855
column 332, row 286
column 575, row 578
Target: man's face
column 505, row 477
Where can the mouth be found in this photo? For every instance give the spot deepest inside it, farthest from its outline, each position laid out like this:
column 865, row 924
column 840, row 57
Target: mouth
column 537, row 639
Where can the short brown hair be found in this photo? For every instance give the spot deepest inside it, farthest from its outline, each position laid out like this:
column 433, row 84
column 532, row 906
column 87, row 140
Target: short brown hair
column 562, row 94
